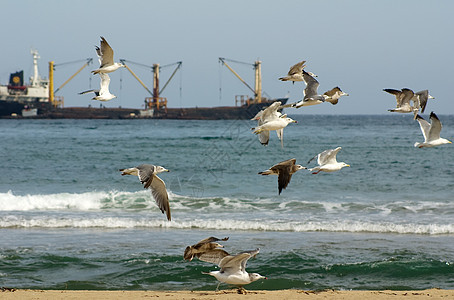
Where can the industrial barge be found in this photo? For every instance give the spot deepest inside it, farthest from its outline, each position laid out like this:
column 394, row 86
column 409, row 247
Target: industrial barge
column 37, row 99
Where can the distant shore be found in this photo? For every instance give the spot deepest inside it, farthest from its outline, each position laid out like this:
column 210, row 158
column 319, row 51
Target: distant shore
column 226, row 294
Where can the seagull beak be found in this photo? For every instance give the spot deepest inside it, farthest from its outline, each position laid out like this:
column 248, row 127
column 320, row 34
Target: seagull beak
column 347, row 165
column 294, row 121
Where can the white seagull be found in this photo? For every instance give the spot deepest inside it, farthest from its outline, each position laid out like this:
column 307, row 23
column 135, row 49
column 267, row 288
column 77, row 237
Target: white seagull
column 268, row 114
column 295, row 73
column 103, row 94
column 284, row 170
column 233, row 270
column 431, row 132
column 277, row 124
column 327, row 161
column 106, row 55
column 148, row 177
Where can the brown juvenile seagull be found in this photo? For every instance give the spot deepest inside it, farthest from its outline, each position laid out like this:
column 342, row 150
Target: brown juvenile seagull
column 148, row 177
column 333, row 95
column 206, row 250
column 284, row 170
column 295, row 73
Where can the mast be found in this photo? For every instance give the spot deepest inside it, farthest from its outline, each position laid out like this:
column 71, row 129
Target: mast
column 34, row 81
column 258, row 81
column 155, row 82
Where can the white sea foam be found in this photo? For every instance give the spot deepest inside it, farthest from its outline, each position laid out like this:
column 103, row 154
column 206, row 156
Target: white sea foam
column 155, row 221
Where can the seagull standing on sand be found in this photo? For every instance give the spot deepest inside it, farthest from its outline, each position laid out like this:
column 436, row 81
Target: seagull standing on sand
column 106, row 55
column 103, row 94
column 268, row 114
column 148, row 177
column 327, row 161
column 206, row 250
column 284, row 170
column 277, row 124
column 431, row 132
column 295, row 73
column 233, row 270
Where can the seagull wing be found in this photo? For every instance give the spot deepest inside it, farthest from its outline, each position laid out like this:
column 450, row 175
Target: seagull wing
column 423, row 96
column 105, row 81
column 90, row 91
column 106, row 53
column 159, row 192
column 435, row 127
column 311, row 85
column 406, row 96
column 213, row 256
column 297, row 68
column 396, row 93
column 328, row 156
column 283, row 169
column 236, row 263
column 425, row 127
column 145, row 174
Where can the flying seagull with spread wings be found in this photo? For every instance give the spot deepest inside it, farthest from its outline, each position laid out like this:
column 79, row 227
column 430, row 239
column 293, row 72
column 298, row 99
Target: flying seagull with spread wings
column 148, row 177
column 106, row 57
column 295, row 73
column 431, row 132
column 327, row 161
column 284, row 170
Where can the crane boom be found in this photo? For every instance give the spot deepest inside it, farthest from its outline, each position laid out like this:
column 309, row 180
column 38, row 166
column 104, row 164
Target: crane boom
column 135, row 76
column 171, row 76
column 89, row 60
column 236, row 74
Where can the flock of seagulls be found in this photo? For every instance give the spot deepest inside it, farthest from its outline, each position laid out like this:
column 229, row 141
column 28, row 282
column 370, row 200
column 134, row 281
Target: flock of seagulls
column 232, row 268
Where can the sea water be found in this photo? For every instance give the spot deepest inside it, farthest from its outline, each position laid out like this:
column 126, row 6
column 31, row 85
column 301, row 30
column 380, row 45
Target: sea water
column 69, row 220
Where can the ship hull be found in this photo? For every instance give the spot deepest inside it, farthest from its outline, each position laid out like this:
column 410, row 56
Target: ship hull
column 46, row 111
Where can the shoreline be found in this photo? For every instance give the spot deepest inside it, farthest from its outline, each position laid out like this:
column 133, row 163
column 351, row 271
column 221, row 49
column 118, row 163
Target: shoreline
column 8, row 293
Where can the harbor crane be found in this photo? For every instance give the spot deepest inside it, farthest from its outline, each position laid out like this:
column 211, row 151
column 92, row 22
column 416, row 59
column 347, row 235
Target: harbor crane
column 58, row 100
column 257, row 90
column 155, row 101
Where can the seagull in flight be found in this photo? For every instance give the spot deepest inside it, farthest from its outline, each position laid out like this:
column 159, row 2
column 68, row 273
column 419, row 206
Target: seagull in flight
column 148, row 177
column 295, row 73
column 311, row 96
column 106, row 54
column 284, row 170
column 332, row 96
column 431, row 132
column 206, row 250
column 276, row 123
column 327, row 161
column 103, row 94
column 268, row 114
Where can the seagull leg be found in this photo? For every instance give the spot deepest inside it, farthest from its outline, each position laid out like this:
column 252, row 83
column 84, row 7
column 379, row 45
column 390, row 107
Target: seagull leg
column 241, row 290
column 217, row 288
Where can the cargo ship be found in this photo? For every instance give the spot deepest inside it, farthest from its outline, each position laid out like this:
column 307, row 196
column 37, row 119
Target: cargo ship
column 37, row 100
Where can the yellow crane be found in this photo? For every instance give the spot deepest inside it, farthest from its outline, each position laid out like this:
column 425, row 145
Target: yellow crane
column 56, row 100
column 155, row 101
column 257, row 90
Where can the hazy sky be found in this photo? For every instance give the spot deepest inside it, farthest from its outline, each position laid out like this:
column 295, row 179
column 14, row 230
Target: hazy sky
column 362, row 46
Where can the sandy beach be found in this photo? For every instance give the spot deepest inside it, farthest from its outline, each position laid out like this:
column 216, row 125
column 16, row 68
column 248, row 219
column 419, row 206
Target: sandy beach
column 226, row 294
